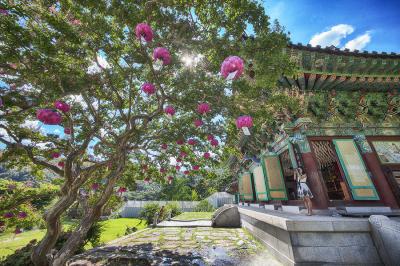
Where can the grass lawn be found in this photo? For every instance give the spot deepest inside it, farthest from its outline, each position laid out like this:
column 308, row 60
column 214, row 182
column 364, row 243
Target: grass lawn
column 194, row 215
column 114, row 228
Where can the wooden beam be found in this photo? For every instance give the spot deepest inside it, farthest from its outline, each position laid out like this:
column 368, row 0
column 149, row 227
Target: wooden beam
column 311, row 81
column 319, row 81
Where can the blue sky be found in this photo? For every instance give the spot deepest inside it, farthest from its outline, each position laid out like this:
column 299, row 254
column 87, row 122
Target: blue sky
column 370, row 25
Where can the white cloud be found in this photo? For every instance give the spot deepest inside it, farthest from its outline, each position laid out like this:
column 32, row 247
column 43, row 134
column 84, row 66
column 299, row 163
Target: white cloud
column 333, row 36
column 359, row 42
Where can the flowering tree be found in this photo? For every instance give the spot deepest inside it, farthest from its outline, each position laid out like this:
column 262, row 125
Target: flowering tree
column 92, row 86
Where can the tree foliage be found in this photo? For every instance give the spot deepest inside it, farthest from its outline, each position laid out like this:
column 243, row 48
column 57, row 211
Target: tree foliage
column 86, row 53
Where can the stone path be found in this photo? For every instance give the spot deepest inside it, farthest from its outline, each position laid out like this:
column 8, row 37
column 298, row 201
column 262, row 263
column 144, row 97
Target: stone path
column 180, row 246
column 200, row 223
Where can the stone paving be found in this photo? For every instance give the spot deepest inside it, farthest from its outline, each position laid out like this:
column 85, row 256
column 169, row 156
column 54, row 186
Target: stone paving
column 180, row 246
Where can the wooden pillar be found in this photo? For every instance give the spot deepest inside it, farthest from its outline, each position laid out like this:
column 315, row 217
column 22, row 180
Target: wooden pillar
column 378, row 177
column 314, row 180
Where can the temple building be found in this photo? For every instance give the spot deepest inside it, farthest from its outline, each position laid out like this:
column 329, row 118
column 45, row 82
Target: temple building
column 347, row 141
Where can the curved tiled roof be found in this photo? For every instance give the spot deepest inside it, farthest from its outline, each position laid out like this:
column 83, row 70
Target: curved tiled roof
column 334, row 50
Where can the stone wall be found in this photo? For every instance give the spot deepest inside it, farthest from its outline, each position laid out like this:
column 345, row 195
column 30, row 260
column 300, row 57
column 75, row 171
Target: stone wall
column 311, row 240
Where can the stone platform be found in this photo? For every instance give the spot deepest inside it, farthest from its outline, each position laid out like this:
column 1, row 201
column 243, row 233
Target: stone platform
column 198, row 223
column 296, row 239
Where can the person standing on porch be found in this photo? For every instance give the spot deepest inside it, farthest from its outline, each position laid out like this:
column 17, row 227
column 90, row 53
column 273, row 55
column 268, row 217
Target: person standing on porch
column 303, row 191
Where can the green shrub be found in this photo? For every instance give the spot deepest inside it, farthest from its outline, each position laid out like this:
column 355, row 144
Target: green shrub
column 130, row 230
column 204, row 206
column 148, row 212
column 174, row 208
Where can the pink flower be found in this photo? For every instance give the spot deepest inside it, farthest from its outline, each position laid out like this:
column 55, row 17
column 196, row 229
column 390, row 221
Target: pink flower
column 62, row 106
column 4, row 12
column 180, row 142
column 244, row 121
column 214, row 142
column 198, row 123
column 169, row 110
column 161, row 53
column 170, row 178
column 75, row 22
column 177, row 167
column 13, row 65
column 210, row 137
column 148, row 88
column 196, row 167
column 53, row 9
column 49, row 117
column 95, row 186
column 121, row 189
column 164, row 146
column 8, row 215
column 144, row 31
column 231, row 65
column 55, row 155
column 67, row 130
column 162, row 170
column 186, row 172
column 22, row 215
column 206, row 155
column 192, row 142
column 61, row 164
column 182, row 154
column 203, row 108
column 179, row 160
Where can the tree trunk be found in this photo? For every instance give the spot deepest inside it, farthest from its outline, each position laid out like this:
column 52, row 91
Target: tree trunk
column 53, row 226
column 91, row 216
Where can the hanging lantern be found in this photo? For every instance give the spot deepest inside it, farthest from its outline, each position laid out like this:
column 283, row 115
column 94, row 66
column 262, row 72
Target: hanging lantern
column 62, row 106
column 121, row 190
column 203, row 108
column 61, row 164
column 17, row 231
column 192, row 142
column 177, row 167
column 67, row 131
column 163, row 170
column 182, row 154
column 180, row 142
column 206, row 155
column 148, row 88
column 49, row 117
column 22, row 215
column 187, row 172
column 8, row 215
column 179, row 160
column 164, row 147
column 196, row 167
column 210, row 137
column 144, row 32
column 244, row 122
column 4, row 12
column 169, row 179
column 169, row 111
column 95, row 186
column 198, row 123
column 214, row 142
column 232, row 67
column 162, row 56
column 55, row 155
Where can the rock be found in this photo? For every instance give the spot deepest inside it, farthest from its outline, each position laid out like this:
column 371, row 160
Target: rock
column 240, row 242
column 386, row 236
column 226, row 216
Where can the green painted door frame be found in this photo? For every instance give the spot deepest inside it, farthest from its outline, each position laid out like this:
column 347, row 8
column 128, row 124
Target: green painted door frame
column 245, row 196
column 355, row 188
column 267, row 176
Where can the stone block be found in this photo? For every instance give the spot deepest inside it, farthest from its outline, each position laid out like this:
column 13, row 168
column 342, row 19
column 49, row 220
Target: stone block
column 292, row 209
column 386, row 236
column 368, row 209
column 316, row 255
column 309, row 226
column 360, row 225
column 270, row 207
column 359, row 255
column 330, row 239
